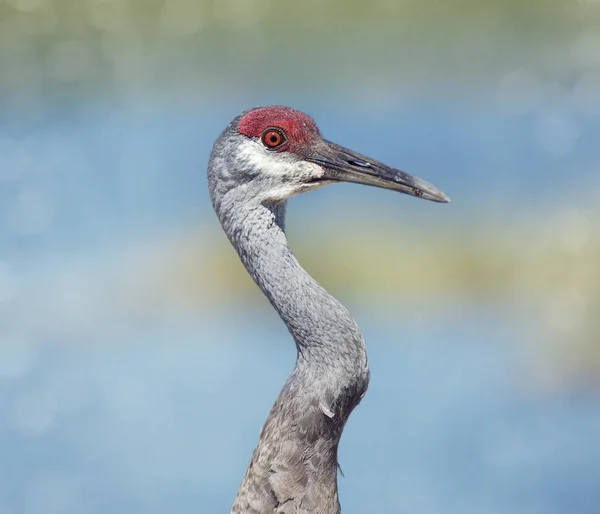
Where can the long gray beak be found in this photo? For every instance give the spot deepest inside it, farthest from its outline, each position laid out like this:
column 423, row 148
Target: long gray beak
column 344, row 165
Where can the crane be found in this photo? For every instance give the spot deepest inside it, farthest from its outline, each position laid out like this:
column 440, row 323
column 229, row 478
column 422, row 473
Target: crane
column 263, row 157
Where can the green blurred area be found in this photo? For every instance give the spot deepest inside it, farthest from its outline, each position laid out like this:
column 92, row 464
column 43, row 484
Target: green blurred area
column 543, row 274
column 115, row 48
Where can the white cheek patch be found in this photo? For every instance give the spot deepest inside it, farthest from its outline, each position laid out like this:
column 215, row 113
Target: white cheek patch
column 278, row 165
column 280, row 193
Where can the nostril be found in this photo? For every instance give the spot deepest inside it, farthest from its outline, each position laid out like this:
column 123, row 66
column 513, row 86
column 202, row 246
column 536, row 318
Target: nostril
column 360, row 164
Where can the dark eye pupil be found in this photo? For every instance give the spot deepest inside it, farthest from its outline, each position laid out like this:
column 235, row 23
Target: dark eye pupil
column 274, row 138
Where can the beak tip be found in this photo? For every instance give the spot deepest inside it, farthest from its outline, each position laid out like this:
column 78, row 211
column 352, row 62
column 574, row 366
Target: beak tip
column 435, row 195
column 444, row 198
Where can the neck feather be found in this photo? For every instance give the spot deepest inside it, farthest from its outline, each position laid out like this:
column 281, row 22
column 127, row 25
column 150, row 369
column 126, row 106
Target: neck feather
column 319, row 324
column 295, row 461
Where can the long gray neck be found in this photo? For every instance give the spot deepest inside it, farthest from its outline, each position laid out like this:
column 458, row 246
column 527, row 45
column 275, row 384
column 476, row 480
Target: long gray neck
column 320, row 325
column 295, row 462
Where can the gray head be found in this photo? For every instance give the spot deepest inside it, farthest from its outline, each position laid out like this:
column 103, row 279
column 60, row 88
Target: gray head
column 269, row 154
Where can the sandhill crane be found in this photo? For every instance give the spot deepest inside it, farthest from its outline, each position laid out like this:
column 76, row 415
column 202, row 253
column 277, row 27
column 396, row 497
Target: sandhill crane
column 263, row 157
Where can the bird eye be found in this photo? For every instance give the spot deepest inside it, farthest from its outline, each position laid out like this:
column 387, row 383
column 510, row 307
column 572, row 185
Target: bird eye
column 272, row 138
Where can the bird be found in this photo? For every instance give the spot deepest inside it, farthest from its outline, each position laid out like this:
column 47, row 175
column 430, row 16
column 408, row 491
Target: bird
column 262, row 158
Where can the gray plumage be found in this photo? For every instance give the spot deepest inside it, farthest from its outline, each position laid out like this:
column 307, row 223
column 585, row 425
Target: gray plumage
column 294, row 467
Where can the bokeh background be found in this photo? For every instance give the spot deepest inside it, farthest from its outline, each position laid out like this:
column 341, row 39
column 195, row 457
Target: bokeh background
column 138, row 361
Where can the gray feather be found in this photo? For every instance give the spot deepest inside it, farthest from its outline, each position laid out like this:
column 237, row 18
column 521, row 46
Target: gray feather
column 294, row 467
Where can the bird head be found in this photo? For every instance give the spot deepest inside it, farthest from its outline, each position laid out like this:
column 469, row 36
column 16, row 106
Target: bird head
column 269, row 154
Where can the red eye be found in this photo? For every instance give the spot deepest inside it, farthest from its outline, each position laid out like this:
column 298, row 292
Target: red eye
column 272, row 138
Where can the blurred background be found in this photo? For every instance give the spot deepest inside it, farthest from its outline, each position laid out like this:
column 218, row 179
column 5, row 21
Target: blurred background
column 138, row 361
